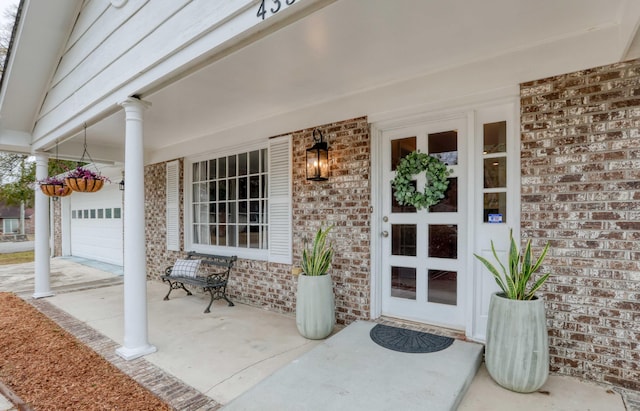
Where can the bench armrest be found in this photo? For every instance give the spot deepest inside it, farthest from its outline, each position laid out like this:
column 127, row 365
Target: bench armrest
column 217, row 277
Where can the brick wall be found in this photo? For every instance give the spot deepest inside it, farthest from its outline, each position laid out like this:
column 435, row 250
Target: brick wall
column 343, row 200
column 581, row 191
column 29, row 221
column 29, row 225
column 57, row 226
column 158, row 257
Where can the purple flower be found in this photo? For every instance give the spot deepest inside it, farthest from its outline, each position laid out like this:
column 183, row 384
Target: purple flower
column 52, row 180
column 85, row 173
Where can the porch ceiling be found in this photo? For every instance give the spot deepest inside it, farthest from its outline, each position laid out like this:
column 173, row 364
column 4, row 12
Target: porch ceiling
column 342, row 60
column 354, row 46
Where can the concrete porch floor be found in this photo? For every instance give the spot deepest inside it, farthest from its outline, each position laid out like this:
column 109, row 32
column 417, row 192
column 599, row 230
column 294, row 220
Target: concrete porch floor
column 226, row 353
column 221, row 354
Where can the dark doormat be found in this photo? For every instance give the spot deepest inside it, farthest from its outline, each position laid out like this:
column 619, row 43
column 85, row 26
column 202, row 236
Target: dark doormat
column 399, row 339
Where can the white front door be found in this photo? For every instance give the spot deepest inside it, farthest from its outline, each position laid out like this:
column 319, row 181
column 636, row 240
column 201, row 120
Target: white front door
column 424, row 252
column 423, row 264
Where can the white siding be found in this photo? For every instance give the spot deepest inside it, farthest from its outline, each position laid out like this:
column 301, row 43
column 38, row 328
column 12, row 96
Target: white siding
column 104, row 50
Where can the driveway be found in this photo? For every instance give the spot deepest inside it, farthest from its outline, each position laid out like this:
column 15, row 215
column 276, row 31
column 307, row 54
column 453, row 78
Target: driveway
column 15, row 247
column 66, row 274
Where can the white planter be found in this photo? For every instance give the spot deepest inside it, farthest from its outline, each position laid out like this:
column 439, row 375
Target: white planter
column 517, row 347
column 315, row 308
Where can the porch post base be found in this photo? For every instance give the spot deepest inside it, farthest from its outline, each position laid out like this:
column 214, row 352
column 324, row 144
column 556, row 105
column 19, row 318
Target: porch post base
column 43, row 294
column 133, row 353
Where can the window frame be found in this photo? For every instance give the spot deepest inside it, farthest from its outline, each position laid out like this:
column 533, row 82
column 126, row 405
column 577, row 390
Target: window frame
column 261, row 254
column 10, row 222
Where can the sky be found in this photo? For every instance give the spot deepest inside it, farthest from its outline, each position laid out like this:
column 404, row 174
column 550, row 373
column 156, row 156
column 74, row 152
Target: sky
column 4, row 4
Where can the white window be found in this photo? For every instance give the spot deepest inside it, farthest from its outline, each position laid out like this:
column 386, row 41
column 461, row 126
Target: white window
column 11, row 225
column 228, row 202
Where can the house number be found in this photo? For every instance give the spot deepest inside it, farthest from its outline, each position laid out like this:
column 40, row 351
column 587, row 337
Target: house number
column 271, row 7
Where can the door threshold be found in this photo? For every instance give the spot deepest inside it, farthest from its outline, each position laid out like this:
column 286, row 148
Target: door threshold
column 423, row 327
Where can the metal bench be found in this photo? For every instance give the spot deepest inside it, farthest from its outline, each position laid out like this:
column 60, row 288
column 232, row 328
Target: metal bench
column 215, row 271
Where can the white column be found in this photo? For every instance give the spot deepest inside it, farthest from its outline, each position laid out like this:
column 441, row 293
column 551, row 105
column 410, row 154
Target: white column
column 42, row 287
column 136, row 342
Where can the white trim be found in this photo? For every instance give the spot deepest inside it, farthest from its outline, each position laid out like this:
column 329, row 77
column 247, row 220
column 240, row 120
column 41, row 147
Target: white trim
column 244, row 253
column 376, row 217
column 187, row 220
column 470, row 286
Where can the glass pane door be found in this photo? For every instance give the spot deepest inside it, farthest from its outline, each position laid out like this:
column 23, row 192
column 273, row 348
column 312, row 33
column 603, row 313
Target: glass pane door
column 423, row 257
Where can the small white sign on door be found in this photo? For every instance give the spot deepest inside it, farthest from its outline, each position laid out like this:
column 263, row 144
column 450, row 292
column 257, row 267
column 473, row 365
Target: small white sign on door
column 495, row 218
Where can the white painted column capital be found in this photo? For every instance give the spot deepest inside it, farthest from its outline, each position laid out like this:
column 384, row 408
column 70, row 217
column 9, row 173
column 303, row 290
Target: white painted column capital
column 136, row 342
column 134, row 107
column 42, row 287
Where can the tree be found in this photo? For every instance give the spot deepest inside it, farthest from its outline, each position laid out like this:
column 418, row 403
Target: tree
column 18, row 178
column 18, row 175
column 6, row 31
column 15, row 172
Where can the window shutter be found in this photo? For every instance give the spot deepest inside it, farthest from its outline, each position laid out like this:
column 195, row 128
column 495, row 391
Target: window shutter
column 280, row 200
column 173, row 205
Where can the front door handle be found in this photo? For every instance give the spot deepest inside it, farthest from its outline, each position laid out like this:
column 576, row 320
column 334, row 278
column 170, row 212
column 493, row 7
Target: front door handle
column 385, row 233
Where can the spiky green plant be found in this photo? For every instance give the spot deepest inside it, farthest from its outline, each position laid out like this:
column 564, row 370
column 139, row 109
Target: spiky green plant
column 317, row 259
column 514, row 281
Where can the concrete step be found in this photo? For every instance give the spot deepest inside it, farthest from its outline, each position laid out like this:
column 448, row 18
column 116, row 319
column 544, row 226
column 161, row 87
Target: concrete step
column 79, row 286
column 89, row 285
column 350, row 372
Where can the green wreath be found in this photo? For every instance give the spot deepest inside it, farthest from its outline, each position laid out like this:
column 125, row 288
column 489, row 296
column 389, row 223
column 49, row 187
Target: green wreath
column 437, row 182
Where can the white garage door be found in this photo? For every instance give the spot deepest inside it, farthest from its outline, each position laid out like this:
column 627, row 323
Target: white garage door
column 96, row 225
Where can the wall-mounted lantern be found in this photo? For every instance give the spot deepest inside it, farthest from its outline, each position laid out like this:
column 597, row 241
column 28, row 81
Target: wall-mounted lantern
column 121, row 185
column 318, row 159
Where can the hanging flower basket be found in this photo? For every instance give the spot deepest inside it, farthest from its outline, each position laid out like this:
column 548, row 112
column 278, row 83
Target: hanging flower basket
column 85, row 181
column 54, row 187
column 56, row 190
column 84, row 185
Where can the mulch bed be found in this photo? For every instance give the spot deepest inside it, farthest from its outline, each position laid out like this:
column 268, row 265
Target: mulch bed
column 50, row 369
